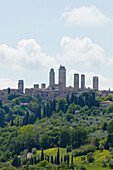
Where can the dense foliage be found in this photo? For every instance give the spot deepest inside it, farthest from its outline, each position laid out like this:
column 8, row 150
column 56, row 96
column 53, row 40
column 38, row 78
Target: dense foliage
column 28, row 124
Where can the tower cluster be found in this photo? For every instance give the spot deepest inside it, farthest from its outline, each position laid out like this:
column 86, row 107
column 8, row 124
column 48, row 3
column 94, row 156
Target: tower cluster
column 62, row 82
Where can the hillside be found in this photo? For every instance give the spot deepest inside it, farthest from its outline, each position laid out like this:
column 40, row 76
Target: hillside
column 75, row 125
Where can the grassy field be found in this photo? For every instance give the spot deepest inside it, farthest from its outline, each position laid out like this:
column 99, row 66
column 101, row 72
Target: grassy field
column 97, row 164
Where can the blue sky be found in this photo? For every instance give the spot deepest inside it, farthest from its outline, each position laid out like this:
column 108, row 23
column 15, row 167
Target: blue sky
column 36, row 35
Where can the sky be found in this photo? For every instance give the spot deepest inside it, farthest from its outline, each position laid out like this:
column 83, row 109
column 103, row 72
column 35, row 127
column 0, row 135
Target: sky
column 37, row 35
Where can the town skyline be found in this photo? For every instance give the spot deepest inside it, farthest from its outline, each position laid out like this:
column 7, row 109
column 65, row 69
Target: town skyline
column 79, row 82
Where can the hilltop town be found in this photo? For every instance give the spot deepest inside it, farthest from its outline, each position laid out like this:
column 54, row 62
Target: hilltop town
column 56, row 91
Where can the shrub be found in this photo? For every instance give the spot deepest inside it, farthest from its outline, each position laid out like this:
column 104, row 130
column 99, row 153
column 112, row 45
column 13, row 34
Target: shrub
column 111, row 164
column 82, row 167
column 16, row 161
column 90, row 157
column 83, row 150
column 43, row 164
column 108, row 158
column 104, row 163
column 49, row 166
column 101, row 147
column 82, row 158
column 34, row 150
column 68, row 149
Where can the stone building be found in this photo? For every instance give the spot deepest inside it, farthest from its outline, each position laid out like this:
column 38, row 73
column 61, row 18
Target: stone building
column 62, row 77
column 43, row 85
column 82, row 82
column 36, row 86
column 21, row 86
column 76, row 82
column 52, row 78
column 95, row 83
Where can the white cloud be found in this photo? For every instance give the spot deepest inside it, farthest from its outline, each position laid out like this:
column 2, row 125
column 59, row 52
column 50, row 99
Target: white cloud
column 85, row 16
column 5, row 83
column 83, row 52
column 27, row 55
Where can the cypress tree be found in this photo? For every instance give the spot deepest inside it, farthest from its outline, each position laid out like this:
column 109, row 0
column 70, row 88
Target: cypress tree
column 50, row 108
column 58, row 157
column 65, row 158
column 38, row 160
column 0, row 103
column 39, row 112
column 31, row 160
column 35, row 160
column 72, row 159
column 36, row 113
column 44, row 112
column 67, row 99
column 68, row 159
column 42, row 155
column 61, row 159
column 17, row 122
column 27, row 117
column 48, row 158
column 72, row 98
column 9, row 90
column 47, row 110
column 54, row 105
column 52, row 159
column 55, row 160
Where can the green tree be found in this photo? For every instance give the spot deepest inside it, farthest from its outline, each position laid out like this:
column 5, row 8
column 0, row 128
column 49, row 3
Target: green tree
column 68, row 159
column 8, row 90
column 58, row 157
column 45, row 141
column 2, row 117
column 52, row 159
column 62, row 105
column 16, row 161
column 0, row 103
column 78, row 137
column 42, row 155
column 44, row 112
column 110, row 127
column 64, row 137
column 6, row 108
column 90, row 157
column 72, row 108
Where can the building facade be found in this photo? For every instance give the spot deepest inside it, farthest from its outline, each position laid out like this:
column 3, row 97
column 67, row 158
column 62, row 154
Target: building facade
column 52, row 78
column 76, row 82
column 36, row 86
column 82, row 82
column 43, row 85
column 95, row 83
column 62, row 77
column 21, row 86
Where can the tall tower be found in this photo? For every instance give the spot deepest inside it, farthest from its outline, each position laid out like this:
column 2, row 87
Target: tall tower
column 95, row 83
column 76, row 82
column 62, row 77
column 21, row 85
column 82, row 82
column 52, row 78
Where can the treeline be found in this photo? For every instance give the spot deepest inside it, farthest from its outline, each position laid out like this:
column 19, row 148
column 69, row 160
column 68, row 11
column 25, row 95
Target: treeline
column 14, row 113
column 14, row 140
column 44, row 158
column 85, row 99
